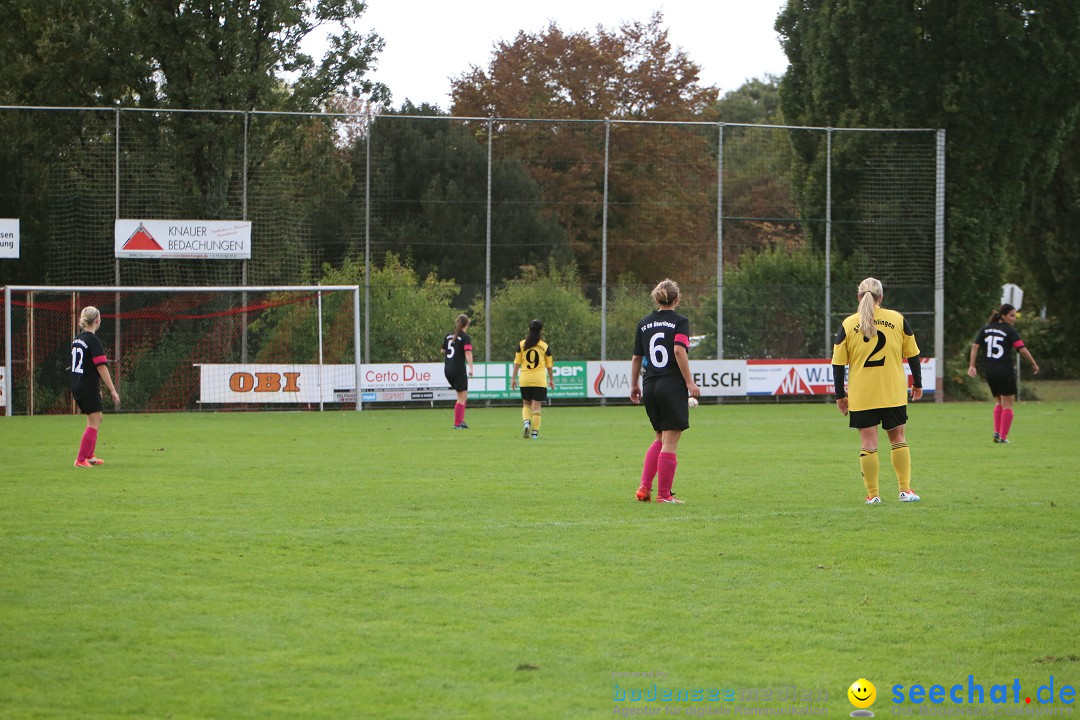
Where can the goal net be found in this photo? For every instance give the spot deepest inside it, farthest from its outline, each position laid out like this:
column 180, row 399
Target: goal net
column 184, row 349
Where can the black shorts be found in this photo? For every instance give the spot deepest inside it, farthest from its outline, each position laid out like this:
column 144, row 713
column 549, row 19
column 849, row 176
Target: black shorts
column 533, row 392
column 458, row 382
column 88, row 399
column 1002, row 383
column 888, row 418
column 665, row 402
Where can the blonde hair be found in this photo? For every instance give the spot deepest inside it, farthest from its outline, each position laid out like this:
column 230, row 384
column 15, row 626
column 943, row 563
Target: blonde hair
column 666, row 292
column 870, row 293
column 88, row 316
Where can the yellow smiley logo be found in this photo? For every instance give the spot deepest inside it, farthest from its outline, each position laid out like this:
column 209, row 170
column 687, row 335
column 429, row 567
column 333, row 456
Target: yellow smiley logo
column 862, row 693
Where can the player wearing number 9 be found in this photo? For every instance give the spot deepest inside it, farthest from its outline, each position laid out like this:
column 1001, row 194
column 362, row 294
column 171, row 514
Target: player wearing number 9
column 993, row 345
column 533, row 359
column 660, row 346
column 873, row 344
column 88, row 368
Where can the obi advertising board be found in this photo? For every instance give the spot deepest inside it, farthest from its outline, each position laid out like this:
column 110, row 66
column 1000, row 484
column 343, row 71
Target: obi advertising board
column 3, row 397
column 203, row 239
column 383, row 382
column 811, row 376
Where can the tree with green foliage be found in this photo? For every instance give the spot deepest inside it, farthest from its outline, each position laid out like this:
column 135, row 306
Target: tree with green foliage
column 557, row 298
column 999, row 76
column 432, row 206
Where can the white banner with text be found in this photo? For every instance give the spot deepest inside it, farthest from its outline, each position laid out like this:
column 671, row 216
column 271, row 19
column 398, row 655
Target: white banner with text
column 202, row 239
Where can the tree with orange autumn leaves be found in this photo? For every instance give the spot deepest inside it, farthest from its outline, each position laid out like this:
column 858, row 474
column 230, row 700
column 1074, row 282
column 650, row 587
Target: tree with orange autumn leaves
column 662, row 178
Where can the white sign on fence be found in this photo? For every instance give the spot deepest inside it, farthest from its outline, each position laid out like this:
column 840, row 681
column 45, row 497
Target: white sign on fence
column 3, row 397
column 811, row 377
column 611, row 379
column 202, row 239
column 9, row 238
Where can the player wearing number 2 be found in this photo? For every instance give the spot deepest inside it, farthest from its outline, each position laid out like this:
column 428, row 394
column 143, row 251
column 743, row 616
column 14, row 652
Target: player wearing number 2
column 993, row 345
column 533, row 358
column 660, row 345
column 873, row 344
column 88, row 368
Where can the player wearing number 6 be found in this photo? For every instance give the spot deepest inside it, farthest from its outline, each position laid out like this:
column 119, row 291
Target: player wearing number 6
column 88, row 368
column 873, row 344
column 533, row 358
column 660, row 346
column 993, row 346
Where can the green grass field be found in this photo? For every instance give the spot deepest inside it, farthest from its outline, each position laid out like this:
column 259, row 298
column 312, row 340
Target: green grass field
column 382, row 565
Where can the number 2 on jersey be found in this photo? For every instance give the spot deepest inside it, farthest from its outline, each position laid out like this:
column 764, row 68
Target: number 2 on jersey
column 880, row 347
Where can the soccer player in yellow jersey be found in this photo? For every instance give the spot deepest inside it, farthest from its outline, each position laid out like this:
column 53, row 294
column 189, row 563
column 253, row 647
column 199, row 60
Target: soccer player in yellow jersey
column 533, row 358
column 873, row 343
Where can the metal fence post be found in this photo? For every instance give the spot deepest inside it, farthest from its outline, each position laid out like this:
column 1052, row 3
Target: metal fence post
column 828, row 239
column 720, row 242
column 939, row 270
column 603, row 243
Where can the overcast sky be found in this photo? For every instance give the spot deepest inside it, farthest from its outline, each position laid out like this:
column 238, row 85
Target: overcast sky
column 428, row 41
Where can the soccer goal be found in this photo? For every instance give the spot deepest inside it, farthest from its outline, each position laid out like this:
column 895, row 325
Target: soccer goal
column 187, row 348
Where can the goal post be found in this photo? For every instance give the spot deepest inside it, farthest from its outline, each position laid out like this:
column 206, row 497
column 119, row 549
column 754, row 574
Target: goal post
column 188, row 348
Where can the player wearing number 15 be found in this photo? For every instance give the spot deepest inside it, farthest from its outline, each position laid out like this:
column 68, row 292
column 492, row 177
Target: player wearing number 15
column 873, row 344
column 660, row 345
column 88, row 367
column 993, row 346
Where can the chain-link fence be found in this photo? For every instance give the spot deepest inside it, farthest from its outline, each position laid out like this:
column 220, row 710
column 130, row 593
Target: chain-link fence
column 768, row 229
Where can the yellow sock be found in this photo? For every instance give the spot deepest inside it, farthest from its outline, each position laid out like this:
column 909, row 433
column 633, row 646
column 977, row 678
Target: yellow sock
column 526, row 413
column 901, row 462
column 536, row 422
column 868, row 461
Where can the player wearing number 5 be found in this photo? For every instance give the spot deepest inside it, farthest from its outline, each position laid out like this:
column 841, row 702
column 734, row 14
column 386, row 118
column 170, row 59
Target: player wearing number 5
column 533, row 358
column 994, row 344
column 88, row 369
column 457, row 347
column 873, row 344
column 660, row 346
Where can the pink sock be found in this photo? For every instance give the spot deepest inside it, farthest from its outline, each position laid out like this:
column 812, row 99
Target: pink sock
column 997, row 418
column 459, row 413
column 1006, row 422
column 648, row 470
column 665, row 472
column 88, row 443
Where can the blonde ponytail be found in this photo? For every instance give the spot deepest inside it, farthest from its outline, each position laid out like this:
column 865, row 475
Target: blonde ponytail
column 88, row 316
column 870, row 293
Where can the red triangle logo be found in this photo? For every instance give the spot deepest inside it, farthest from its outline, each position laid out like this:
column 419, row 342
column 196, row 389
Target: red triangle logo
column 141, row 239
column 793, row 384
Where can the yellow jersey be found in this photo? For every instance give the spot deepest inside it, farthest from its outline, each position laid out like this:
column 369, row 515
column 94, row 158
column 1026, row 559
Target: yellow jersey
column 876, row 377
column 534, row 363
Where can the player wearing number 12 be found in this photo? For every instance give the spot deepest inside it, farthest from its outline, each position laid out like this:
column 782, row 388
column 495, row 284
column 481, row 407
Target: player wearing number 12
column 89, row 369
column 660, row 345
column 873, row 344
column 533, row 358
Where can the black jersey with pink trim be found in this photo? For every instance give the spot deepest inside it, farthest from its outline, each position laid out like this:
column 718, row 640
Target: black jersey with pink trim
column 996, row 343
column 87, row 354
column 454, row 349
column 655, row 341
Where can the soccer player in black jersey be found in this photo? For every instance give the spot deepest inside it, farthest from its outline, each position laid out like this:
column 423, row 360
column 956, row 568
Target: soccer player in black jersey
column 660, row 345
column 992, row 348
column 88, row 367
column 457, row 347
